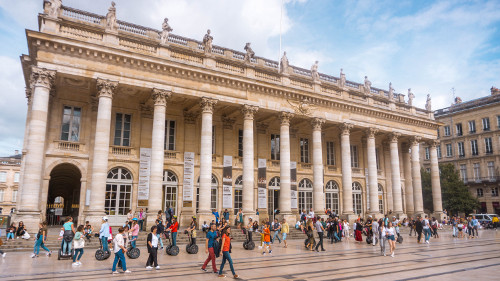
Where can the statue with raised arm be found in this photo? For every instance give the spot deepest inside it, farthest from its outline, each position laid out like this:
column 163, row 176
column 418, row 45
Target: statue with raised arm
column 207, row 42
column 411, row 96
column 368, row 85
column 165, row 31
column 250, row 53
column 55, row 6
column 284, row 64
column 428, row 103
column 314, row 71
column 342, row 78
column 391, row 91
column 111, row 17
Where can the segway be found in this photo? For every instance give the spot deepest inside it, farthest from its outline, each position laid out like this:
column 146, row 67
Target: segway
column 171, row 250
column 133, row 252
column 191, row 247
column 100, row 254
column 65, row 256
column 247, row 244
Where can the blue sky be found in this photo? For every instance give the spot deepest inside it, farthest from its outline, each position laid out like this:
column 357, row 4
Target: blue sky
column 428, row 46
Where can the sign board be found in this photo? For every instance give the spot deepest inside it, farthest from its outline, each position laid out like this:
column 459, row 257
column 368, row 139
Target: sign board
column 144, row 175
column 227, row 182
column 261, row 184
column 187, row 193
column 293, row 184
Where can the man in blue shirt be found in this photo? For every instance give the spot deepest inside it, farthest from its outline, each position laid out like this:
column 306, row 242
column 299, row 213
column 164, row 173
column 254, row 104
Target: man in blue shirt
column 216, row 214
column 475, row 226
column 209, row 248
column 104, row 233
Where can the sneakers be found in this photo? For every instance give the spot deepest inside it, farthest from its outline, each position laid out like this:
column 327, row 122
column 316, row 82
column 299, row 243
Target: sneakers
column 426, row 242
column 33, row 255
column 115, row 272
column 3, row 255
column 203, row 269
column 49, row 254
column 222, row 276
column 149, row 267
column 270, row 252
column 79, row 263
column 236, row 276
column 75, row 264
column 263, row 253
column 158, row 267
column 385, row 255
column 392, row 255
column 128, row 271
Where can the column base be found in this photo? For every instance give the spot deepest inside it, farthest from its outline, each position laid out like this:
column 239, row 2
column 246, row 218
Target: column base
column 351, row 218
column 94, row 218
column 377, row 216
column 401, row 216
column 263, row 215
column 30, row 219
column 250, row 215
column 201, row 217
column 440, row 216
column 186, row 217
column 290, row 219
column 410, row 215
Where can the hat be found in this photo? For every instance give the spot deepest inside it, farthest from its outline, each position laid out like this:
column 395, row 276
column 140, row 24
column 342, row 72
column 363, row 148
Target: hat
column 135, row 219
column 104, row 218
column 250, row 218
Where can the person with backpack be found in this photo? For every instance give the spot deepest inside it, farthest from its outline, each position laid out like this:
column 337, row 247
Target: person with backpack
column 209, row 248
column 419, row 228
column 79, row 242
column 69, row 233
column 225, row 252
column 40, row 238
column 152, row 244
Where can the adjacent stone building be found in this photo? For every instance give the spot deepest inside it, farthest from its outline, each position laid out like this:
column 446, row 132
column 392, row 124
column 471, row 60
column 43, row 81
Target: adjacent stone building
column 470, row 140
column 123, row 117
column 9, row 182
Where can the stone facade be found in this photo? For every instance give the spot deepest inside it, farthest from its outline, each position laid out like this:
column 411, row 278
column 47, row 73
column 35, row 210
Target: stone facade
column 98, row 95
column 9, row 182
column 470, row 140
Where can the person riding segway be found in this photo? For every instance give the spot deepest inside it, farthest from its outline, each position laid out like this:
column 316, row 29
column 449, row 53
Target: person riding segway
column 248, row 244
column 69, row 232
column 191, row 247
column 104, row 235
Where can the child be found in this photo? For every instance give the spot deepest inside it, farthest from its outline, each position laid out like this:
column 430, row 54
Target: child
column 267, row 239
column 79, row 243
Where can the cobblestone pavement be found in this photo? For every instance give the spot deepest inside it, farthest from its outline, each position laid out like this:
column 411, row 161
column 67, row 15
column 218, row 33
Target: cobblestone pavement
column 445, row 258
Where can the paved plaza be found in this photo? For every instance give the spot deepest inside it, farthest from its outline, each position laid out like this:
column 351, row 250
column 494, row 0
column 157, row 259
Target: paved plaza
column 444, row 259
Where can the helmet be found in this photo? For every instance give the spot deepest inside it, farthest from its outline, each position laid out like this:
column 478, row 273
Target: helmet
column 135, row 219
column 105, row 218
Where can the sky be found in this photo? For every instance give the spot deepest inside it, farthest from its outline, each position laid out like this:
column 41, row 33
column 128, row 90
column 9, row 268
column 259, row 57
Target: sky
column 428, row 46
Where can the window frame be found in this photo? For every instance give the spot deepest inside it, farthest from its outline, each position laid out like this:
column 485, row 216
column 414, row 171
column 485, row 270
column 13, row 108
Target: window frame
column 122, row 130
column 71, row 123
column 473, row 147
column 461, row 149
column 449, row 150
column 463, row 172
column 169, row 140
column 488, row 145
column 447, row 132
column 275, row 150
column 3, row 176
column 354, row 156
column 123, row 186
column 305, row 196
column 240, row 142
column 476, row 167
column 458, row 128
column 486, row 124
column 472, row 126
column 304, row 150
column 330, row 153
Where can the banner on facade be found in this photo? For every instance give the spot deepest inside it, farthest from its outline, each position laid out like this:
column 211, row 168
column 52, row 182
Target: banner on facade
column 293, row 184
column 367, row 189
column 227, row 182
column 144, row 174
column 261, row 184
column 187, row 183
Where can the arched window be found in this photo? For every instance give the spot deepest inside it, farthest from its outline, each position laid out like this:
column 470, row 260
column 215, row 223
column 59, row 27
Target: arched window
column 332, row 196
column 118, row 199
column 305, row 195
column 238, row 191
column 357, row 198
column 213, row 193
column 273, row 195
column 170, row 183
column 380, row 198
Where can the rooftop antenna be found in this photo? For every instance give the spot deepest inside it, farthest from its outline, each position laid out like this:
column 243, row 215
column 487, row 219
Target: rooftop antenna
column 281, row 20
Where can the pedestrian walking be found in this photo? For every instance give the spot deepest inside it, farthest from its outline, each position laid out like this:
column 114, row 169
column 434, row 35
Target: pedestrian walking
column 40, row 238
column 454, row 225
column 419, row 228
column 494, row 220
column 358, row 231
column 427, row 229
column 160, row 229
column 79, row 243
column 152, row 244
column 276, row 228
column 383, row 238
column 390, row 233
column 345, row 229
column 475, row 227
column 375, row 229
column 225, row 251
column 2, row 253
column 120, row 250
column 435, row 227
column 285, row 229
column 209, row 248
column 320, row 230
column 266, row 239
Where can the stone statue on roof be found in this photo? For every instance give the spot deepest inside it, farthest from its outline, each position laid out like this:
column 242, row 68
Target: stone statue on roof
column 428, row 103
column 250, row 53
column 284, row 64
column 368, row 85
column 207, row 42
column 314, row 71
column 111, row 23
column 342, row 78
column 165, row 31
column 391, row 91
column 55, row 6
column 411, row 96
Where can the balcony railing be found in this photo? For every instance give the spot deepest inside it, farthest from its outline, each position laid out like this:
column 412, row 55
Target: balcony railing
column 68, row 146
column 121, row 150
column 171, row 154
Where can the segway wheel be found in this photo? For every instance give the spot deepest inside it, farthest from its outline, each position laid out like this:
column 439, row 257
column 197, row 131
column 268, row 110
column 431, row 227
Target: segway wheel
column 174, row 251
column 107, row 254
column 134, row 253
column 100, row 255
column 369, row 240
column 167, row 249
column 245, row 245
column 250, row 245
column 193, row 249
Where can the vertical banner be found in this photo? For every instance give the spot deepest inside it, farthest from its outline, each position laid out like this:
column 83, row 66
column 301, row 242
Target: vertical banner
column 144, row 173
column 293, row 184
column 227, row 182
column 367, row 189
column 261, row 183
column 187, row 188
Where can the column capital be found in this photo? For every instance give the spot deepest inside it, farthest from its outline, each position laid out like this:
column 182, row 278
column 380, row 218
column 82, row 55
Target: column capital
column 317, row 123
column 394, row 136
column 405, row 147
column 433, row 143
column 371, row 132
column 29, row 94
column 249, row 111
column 207, row 105
column 42, row 77
column 285, row 117
column 160, row 96
column 227, row 122
column 190, row 117
column 346, row 128
column 415, row 140
column 106, row 88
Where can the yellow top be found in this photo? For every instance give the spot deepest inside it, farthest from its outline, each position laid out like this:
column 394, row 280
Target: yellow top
column 495, row 219
column 285, row 228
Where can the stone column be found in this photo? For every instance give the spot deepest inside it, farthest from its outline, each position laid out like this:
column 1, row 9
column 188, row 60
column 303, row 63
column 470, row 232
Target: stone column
column 157, row 154
column 285, row 203
column 318, row 193
column 42, row 81
column 372, row 171
column 345, row 145
column 105, row 91
column 417, row 181
column 410, row 209
column 435, row 181
column 388, row 176
column 396, row 175
column 248, row 160
column 207, row 109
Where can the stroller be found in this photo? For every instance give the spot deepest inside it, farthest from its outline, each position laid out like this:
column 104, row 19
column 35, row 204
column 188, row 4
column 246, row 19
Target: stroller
column 191, row 247
column 247, row 244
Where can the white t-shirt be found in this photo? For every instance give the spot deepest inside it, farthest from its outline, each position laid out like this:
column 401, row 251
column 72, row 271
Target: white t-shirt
column 311, row 214
column 154, row 241
column 390, row 231
column 118, row 242
column 426, row 224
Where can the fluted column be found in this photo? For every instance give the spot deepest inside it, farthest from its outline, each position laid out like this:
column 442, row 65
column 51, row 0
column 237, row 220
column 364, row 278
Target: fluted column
column 248, row 158
column 435, row 180
column 318, row 194
column 160, row 98
column 372, row 170
column 415, row 173
column 105, row 91
column 207, row 109
column 410, row 209
column 285, row 202
column 396, row 175
column 42, row 81
column 345, row 145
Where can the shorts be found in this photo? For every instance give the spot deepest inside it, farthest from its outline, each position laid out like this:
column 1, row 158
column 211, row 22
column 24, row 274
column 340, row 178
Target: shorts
column 284, row 236
column 267, row 243
column 391, row 237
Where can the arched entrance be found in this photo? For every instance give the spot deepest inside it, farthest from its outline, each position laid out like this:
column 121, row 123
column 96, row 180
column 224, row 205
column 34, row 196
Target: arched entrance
column 63, row 198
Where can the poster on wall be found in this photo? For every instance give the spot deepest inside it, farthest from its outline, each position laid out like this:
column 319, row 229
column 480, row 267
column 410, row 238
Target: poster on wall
column 293, row 184
column 144, row 174
column 367, row 188
column 227, row 182
column 261, row 184
column 187, row 192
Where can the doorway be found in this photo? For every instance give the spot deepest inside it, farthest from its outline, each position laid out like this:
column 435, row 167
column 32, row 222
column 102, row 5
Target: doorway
column 63, row 198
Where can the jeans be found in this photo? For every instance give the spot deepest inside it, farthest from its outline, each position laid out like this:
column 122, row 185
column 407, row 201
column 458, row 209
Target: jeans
column 67, row 246
column 119, row 256
column 411, row 229
column 211, row 257
column 276, row 235
column 133, row 241
column 38, row 244
column 104, row 241
column 153, row 257
column 320, row 241
column 141, row 223
column 335, row 236
column 427, row 233
column 455, row 231
column 10, row 235
column 159, row 240
column 382, row 244
column 375, row 237
column 474, row 231
column 174, row 239
column 226, row 256
column 79, row 253
column 419, row 235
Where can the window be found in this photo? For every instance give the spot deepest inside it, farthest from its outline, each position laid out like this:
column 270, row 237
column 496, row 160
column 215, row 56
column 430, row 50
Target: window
column 304, row 150
column 70, row 128
column 122, row 129
column 213, row 139
column 305, row 194
column 449, row 151
column 438, row 133
column 486, row 124
column 463, row 172
column 438, row 150
column 240, row 143
column 479, row 192
column 461, row 150
column 170, row 183
column 380, row 198
column 488, row 145
column 472, row 127
column 473, row 147
column 213, row 194
column 169, row 135
column 14, row 196
column 275, row 147
column 356, row 198
column 16, row 177
column 238, row 194
column 491, row 170
column 118, row 192
column 494, row 192
column 3, row 176
column 354, row 157
column 273, row 195
column 498, row 121
column 427, row 154
column 330, row 153
column 459, row 129
column 477, row 172
column 377, row 158
column 446, row 131
column 332, row 196
column 2, row 191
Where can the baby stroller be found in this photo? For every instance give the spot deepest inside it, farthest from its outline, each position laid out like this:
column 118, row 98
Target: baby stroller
column 191, row 247
column 247, row 244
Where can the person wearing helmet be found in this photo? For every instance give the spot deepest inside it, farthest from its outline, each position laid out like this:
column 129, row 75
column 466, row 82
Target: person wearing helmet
column 134, row 231
column 104, row 233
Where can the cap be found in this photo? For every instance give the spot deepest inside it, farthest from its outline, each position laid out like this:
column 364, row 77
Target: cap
column 104, row 218
column 134, row 219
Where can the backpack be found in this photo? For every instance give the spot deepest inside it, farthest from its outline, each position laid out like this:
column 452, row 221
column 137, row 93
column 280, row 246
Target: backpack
column 303, row 217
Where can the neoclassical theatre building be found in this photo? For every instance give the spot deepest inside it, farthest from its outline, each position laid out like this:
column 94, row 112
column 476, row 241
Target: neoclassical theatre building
column 123, row 117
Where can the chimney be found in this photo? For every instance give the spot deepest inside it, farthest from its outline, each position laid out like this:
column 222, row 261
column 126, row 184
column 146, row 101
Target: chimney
column 16, row 152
